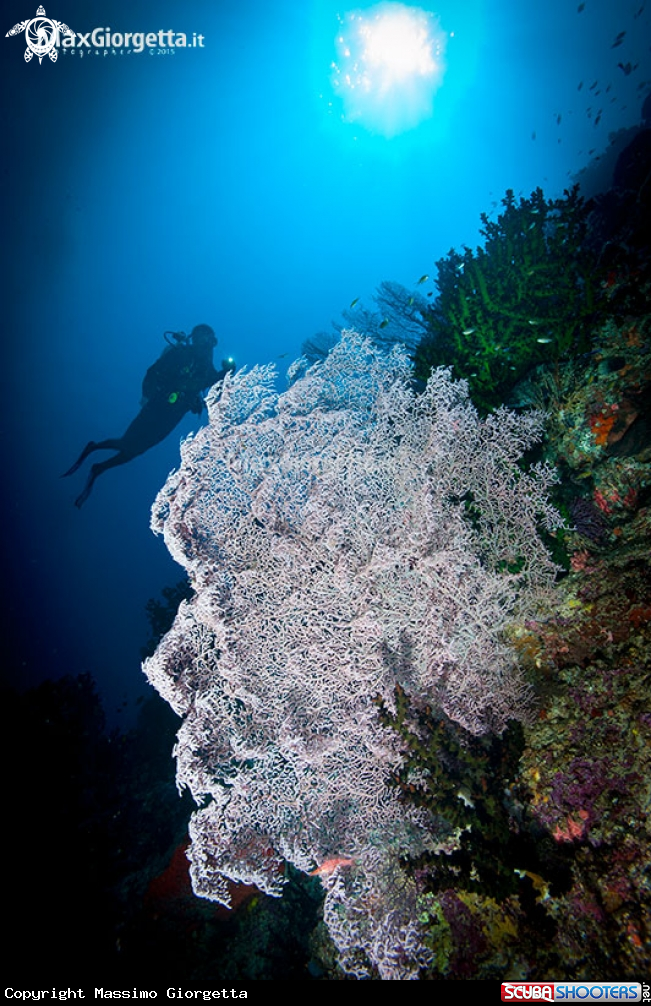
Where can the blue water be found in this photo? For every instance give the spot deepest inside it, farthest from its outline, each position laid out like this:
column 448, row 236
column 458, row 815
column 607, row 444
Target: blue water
column 224, row 184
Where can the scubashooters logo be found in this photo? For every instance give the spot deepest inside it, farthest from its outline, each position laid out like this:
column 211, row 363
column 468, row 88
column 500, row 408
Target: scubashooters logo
column 41, row 35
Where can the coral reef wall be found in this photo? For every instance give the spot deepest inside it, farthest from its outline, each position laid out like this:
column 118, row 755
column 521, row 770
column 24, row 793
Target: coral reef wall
column 343, row 538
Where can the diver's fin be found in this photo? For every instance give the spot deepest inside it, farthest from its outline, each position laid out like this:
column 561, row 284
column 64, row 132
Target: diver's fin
column 81, row 499
column 88, row 449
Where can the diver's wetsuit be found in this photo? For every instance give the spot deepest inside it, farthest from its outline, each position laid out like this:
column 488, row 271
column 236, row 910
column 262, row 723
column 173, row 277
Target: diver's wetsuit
column 172, row 387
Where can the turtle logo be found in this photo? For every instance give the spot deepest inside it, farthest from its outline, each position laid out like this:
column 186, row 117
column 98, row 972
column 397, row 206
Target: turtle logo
column 40, row 35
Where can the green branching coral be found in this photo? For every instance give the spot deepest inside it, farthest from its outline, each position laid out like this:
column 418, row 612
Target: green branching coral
column 468, row 784
column 524, row 298
column 462, row 780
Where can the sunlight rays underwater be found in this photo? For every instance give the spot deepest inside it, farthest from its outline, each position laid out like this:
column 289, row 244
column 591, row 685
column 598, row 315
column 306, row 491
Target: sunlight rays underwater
column 389, row 66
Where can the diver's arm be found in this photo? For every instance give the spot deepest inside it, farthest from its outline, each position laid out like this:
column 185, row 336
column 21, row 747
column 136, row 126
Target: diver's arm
column 211, row 376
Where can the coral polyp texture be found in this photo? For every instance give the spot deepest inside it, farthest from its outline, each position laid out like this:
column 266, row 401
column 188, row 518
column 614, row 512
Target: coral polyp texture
column 342, row 538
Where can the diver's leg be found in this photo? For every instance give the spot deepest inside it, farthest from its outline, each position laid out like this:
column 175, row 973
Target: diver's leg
column 103, row 445
column 152, row 424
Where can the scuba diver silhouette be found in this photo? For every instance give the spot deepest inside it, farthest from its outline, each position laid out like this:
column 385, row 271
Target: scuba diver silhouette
column 171, row 388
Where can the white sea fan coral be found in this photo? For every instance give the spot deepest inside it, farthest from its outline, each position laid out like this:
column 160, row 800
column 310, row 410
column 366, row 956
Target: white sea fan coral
column 342, row 538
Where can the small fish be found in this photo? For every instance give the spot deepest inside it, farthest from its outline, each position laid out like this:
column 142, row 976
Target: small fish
column 558, row 119
column 384, row 323
column 410, row 301
column 469, row 331
column 592, row 86
column 353, row 302
column 423, row 278
column 533, row 135
column 544, row 340
column 618, row 41
column 330, row 865
column 580, row 8
column 532, row 321
column 598, row 119
column 580, row 86
column 281, row 356
column 627, row 68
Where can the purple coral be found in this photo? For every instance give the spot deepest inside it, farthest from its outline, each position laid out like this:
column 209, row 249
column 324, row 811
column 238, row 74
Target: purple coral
column 588, row 520
column 323, row 530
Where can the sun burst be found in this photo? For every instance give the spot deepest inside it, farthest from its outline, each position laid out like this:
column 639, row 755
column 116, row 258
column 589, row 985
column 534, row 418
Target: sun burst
column 390, row 65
